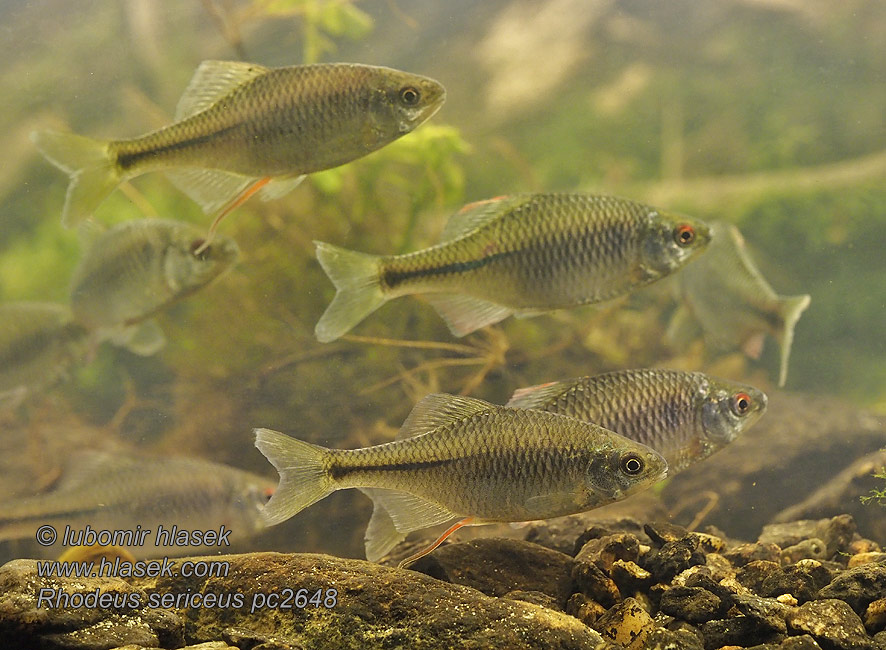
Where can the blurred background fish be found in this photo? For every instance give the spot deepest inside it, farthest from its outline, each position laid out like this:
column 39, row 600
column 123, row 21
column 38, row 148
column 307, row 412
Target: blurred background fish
column 38, row 341
column 122, row 492
column 685, row 416
column 733, row 303
column 135, row 269
column 463, row 458
column 241, row 127
column 520, row 254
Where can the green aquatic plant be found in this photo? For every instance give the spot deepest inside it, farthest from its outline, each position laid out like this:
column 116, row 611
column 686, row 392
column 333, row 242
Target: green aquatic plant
column 877, row 495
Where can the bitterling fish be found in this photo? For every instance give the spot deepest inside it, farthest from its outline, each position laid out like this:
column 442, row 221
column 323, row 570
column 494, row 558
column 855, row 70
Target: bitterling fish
column 38, row 341
column 733, row 302
column 139, row 267
column 241, row 127
column 520, row 254
column 463, row 458
column 685, row 416
column 119, row 492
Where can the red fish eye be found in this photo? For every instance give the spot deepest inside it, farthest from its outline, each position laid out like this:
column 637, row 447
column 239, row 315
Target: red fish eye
column 684, row 235
column 267, row 493
column 409, row 96
column 741, row 403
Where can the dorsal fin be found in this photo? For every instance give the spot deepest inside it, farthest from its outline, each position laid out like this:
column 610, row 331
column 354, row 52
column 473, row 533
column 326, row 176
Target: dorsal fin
column 473, row 215
column 537, row 397
column 438, row 409
column 213, row 80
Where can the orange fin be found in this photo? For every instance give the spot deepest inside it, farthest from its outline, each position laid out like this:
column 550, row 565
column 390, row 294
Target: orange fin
column 467, row 521
column 233, row 205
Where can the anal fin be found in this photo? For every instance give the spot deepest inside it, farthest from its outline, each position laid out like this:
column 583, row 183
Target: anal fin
column 466, row 314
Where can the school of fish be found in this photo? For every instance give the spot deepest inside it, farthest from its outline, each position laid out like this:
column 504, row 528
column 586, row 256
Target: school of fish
column 554, row 449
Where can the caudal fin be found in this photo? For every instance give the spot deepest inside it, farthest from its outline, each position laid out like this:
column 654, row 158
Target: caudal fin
column 86, row 161
column 303, row 479
column 358, row 291
column 790, row 310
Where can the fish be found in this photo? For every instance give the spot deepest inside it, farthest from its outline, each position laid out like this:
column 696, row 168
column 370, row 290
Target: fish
column 733, row 303
column 137, row 268
column 241, row 127
column 38, row 342
column 519, row 254
column 685, row 416
column 466, row 459
column 127, row 492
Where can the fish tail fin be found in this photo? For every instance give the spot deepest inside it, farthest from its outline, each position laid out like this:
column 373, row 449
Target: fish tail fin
column 358, row 289
column 790, row 311
column 90, row 167
column 303, row 476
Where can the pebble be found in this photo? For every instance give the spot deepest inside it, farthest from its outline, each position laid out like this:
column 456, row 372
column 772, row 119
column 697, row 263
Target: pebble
column 832, row 623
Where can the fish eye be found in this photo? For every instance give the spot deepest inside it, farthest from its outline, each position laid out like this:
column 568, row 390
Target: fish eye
column 266, row 494
column 741, row 403
column 409, row 95
column 196, row 245
column 684, row 235
column 632, row 464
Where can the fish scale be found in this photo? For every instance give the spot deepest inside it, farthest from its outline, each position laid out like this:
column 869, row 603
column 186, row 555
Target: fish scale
column 459, row 457
column 686, row 416
column 522, row 254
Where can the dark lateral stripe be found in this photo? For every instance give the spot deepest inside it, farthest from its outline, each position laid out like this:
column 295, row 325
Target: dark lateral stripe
column 128, row 160
column 338, row 471
column 391, row 278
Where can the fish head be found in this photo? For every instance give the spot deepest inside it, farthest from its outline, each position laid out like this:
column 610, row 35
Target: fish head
column 405, row 100
column 249, row 496
column 727, row 409
column 669, row 241
column 622, row 468
column 186, row 270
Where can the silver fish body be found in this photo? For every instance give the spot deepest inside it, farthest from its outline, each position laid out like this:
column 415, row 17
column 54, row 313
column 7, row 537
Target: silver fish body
column 462, row 457
column 685, row 416
column 139, row 267
column 518, row 254
column 37, row 343
column 241, row 125
column 732, row 301
column 115, row 492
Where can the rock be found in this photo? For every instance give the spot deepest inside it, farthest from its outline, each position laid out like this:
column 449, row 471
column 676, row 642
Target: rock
column 836, row 533
column 869, row 557
column 627, row 624
column 858, row 587
column 663, row 532
column 673, row 558
column 832, row 623
column 569, row 534
column 372, row 607
column 768, row 612
column 809, row 549
column 245, row 639
column 594, row 583
column 72, row 616
column 629, row 577
column 664, row 639
column 584, row 609
column 496, row 566
column 745, row 553
column 603, row 551
column 802, row 580
column 755, row 573
column 738, row 630
column 875, row 616
column 692, row 604
column 802, row 642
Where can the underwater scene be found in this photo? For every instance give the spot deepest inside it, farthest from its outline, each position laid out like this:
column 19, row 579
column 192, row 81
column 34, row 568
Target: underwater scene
column 585, row 299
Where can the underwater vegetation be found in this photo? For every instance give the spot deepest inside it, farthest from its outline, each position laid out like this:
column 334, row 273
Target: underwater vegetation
column 637, row 113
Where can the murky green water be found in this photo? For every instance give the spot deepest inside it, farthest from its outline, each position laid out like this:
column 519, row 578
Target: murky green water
column 767, row 115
